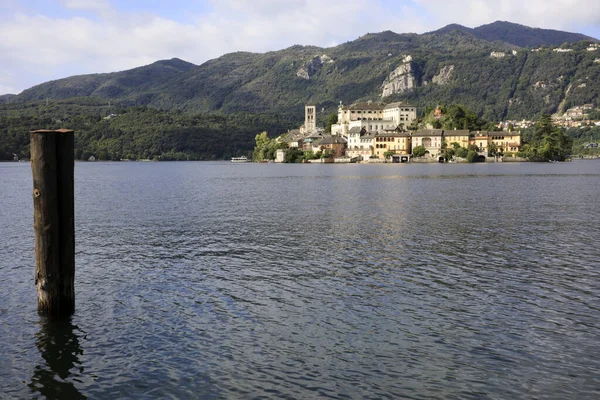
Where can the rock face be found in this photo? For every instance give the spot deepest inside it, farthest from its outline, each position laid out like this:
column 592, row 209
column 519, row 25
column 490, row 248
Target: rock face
column 313, row 66
column 399, row 80
column 444, row 76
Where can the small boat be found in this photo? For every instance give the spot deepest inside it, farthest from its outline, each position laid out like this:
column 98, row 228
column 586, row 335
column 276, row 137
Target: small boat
column 240, row 159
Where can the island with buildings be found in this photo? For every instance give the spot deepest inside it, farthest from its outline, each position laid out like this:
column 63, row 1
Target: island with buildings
column 377, row 132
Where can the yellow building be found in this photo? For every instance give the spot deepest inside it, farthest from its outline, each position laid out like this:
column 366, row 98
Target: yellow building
column 506, row 141
column 457, row 136
column 481, row 140
column 392, row 141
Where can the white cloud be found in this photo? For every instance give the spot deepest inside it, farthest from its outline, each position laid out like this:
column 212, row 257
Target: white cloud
column 102, row 7
column 37, row 47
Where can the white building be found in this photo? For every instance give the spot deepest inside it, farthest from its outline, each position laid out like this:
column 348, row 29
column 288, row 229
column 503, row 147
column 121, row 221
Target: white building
column 360, row 143
column 431, row 139
column 373, row 117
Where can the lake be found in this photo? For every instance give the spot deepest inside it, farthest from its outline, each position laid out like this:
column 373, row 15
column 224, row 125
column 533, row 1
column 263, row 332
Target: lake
column 218, row 280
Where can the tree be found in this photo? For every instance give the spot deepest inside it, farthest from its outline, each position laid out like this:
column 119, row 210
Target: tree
column 419, row 151
column 461, row 152
column 293, row 155
column 265, row 148
column 549, row 142
column 471, row 156
column 332, row 119
column 492, row 150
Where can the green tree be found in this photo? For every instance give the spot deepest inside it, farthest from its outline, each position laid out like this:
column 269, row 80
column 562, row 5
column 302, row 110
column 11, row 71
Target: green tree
column 471, row 156
column 332, row 119
column 549, row 142
column 419, row 151
column 461, row 152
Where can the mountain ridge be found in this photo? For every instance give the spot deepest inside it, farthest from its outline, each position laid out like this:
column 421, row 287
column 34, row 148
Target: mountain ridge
column 452, row 64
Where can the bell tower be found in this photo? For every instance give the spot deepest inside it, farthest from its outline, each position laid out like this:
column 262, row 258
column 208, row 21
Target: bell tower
column 310, row 118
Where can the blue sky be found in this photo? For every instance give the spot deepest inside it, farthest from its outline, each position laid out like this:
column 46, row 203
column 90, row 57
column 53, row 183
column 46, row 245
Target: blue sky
column 44, row 40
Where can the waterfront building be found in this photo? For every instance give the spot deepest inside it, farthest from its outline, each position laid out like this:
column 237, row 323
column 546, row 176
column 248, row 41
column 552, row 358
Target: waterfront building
column 335, row 144
column 431, row 139
column 457, row 136
column 481, row 140
column 393, row 141
column 360, row 143
column 505, row 141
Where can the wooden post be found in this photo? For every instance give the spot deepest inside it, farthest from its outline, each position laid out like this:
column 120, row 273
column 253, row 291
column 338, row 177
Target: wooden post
column 52, row 165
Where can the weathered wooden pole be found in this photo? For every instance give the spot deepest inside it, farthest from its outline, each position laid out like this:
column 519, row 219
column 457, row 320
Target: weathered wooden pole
column 52, row 165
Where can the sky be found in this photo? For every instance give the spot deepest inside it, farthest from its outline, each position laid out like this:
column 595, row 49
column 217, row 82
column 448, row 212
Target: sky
column 42, row 40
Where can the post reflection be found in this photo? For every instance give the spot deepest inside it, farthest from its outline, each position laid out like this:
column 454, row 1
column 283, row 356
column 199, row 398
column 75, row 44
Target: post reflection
column 59, row 346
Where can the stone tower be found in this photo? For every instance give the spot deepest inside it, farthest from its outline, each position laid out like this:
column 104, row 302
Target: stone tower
column 310, row 118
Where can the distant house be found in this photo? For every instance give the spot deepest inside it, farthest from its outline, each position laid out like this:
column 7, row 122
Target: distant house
column 431, row 139
column 360, row 143
column 506, row 141
column 309, row 141
column 391, row 141
column 334, row 143
column 481, row 140
column 457, row 136
column 279, row 155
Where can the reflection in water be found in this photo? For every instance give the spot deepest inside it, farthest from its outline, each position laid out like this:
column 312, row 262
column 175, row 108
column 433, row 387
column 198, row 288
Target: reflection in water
column 58, row 344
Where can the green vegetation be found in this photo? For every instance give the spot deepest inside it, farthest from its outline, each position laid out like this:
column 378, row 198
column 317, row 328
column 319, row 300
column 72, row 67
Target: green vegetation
column 456, row 116
column 582, row 137
column 546, row 142
column 265, row 148
column 136, row 132
column 332, row 119
column 419, row 151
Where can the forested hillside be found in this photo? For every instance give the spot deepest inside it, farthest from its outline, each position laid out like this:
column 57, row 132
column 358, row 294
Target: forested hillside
column 138, row 132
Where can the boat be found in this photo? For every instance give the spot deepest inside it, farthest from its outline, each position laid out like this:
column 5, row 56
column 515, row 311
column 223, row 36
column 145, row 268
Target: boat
column 240, row 159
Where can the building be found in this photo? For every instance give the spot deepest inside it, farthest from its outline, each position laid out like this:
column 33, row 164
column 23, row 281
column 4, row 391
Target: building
column 481, row 140
column 310, row 141
column 457, row 136
column 280, row 155
column 431, row 139
column 400, row 114
column 334, row 143
column 392, row 141
column 505, row 141
column 310, row 118
column 360, row 143
column 373, row 117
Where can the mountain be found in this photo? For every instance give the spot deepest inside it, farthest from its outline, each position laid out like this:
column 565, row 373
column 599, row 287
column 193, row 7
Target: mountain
column 6, row 97
column 490, row 69
column 518, row 35
column 115, row 85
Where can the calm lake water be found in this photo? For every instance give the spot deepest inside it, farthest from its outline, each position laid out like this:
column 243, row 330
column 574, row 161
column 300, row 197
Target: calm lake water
column 218, row 280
